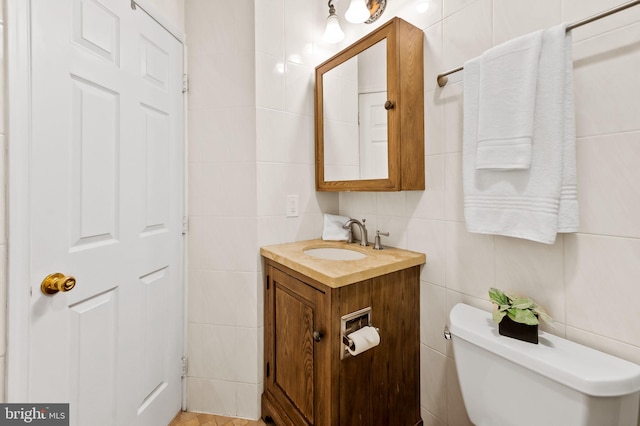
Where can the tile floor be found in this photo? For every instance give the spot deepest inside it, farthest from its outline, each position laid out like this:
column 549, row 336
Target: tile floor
column 187, row 418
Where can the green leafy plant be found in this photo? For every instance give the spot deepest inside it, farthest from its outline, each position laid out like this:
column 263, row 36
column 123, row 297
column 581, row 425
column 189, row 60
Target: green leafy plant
column 519, row 309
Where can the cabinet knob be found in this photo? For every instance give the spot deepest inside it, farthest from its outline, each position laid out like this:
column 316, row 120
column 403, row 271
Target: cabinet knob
column 317, row 336
column 388, row 105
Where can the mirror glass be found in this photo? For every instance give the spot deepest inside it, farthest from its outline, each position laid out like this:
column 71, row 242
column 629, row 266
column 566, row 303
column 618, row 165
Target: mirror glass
column 355, row 119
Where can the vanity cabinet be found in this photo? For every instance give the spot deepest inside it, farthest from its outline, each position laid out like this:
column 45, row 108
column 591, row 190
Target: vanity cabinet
column 369, row 113
column 305, row 380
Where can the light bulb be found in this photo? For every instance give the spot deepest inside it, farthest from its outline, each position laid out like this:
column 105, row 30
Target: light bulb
column 358, row 12
column 333, row 33
column 422, row 6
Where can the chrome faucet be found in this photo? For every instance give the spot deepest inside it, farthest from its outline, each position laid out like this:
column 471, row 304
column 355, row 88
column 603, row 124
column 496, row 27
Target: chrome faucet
column 363, row 230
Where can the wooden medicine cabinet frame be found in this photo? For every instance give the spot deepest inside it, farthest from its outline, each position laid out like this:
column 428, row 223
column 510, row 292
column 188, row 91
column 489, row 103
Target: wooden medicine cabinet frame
column 405, row 119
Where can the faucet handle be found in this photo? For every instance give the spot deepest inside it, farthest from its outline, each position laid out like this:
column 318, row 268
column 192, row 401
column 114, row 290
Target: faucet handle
column 377, row 245
column 364, row 238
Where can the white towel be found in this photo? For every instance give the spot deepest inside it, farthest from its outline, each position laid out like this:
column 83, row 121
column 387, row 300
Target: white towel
column 568, row 219
column 333, row 228
column 508, row 80
column 538, row 202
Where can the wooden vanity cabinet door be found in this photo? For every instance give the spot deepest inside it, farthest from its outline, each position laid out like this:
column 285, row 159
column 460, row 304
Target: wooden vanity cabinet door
column 294, row 361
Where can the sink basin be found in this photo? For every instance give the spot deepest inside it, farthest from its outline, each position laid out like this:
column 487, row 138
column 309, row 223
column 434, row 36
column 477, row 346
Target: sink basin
column 334, row 253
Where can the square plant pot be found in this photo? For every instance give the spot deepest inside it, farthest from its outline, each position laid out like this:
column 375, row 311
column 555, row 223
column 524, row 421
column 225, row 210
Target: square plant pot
column 508, row 327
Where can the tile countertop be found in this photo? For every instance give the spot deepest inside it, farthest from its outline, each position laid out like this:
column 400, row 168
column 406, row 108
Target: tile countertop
column 338, row 273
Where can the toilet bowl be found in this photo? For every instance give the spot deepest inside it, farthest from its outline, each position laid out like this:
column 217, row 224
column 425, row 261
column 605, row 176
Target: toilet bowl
column 508, row 382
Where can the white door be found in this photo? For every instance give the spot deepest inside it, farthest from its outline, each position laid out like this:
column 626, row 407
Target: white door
column 106, row 203
column 374, row 137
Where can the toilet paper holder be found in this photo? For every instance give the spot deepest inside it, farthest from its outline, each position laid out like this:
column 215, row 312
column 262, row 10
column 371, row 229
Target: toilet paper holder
column 350, row 323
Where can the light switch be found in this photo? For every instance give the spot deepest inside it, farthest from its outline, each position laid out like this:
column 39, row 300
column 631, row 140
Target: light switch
column 292, row 206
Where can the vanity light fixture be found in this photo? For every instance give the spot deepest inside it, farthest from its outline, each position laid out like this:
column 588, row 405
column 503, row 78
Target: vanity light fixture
column 358, row 12
column 332, row 32
column 366, row 11
column 376, row 8
column 422, row 6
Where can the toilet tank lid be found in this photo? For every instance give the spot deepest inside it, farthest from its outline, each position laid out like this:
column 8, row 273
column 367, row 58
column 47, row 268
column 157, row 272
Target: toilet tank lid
column 581, row 368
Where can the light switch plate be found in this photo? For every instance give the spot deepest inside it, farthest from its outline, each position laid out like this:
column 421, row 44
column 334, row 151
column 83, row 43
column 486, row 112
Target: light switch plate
column 292, row 205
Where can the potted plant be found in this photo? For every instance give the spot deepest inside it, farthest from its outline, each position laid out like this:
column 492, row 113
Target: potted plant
column 517, row 317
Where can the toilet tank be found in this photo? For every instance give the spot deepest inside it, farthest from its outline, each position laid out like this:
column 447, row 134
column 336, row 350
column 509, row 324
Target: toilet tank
column 508, row 382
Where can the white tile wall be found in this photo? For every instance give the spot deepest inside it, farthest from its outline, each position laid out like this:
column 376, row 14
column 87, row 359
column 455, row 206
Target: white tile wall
column 611, row 57
column 224, row 342
column 222, row 134
column 270, row 28
column 222, row 243
column 540, row 14
column 466, row 33
column 428, row 236
column 529, row 268
column 622, row 151
column 284, row 136
column 434, row 385
column 225, row 201
column 251, row 117
column 434, row 121
column 429, row 204
column 209, row 295
column 251, row 67
column 299, row 89
column 270, row 72
column 601, row 278
column 212, row 396
column 214, row 349
column 222, row 79
column 588, row 281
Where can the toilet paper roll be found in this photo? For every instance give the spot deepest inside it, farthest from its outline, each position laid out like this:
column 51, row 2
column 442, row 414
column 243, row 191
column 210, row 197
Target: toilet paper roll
column 363, row 340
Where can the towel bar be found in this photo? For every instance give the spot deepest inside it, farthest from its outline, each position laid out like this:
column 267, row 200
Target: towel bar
column 443, row 79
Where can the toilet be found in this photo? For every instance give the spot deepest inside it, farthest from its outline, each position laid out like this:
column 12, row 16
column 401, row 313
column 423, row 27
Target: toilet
column 508, row 382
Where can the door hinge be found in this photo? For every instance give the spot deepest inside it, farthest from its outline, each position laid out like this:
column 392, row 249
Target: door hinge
column 185, row 83
column 268, row 281
column 268, row 372
column 185, row 225
column 184, row 366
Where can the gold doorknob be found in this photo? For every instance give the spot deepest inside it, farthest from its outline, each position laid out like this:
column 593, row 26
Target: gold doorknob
column 54, row 283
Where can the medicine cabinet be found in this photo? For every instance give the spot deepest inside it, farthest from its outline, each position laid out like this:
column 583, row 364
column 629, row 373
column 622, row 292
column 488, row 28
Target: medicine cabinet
column 369, row 113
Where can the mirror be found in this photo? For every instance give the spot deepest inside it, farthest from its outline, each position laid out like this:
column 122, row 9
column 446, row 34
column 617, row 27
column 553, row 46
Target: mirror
column 369, row 113
column 355, row 120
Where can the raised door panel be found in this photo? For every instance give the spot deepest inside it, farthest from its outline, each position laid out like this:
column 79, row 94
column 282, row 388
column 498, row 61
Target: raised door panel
column 92, row 352
column 94, row 171
column 97, row 29
column 294, row 348
column 157, row 164
column 291, row 352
